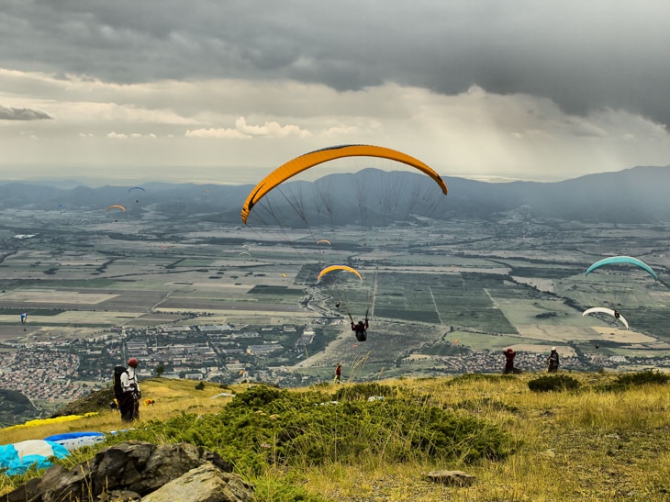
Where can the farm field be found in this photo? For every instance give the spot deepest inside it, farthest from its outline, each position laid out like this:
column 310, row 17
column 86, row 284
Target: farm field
column 436, row 296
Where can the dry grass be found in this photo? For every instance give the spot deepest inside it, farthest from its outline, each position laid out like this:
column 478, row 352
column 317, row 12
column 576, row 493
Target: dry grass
column 570, row 446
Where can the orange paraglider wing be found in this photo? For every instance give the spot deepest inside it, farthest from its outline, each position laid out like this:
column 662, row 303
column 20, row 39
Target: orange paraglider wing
column 304, row 162
column 339, row 267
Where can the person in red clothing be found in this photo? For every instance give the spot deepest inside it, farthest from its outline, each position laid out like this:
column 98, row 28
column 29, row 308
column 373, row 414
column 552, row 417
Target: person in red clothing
column 338, row 373
column 360, row 329
column 509, row 361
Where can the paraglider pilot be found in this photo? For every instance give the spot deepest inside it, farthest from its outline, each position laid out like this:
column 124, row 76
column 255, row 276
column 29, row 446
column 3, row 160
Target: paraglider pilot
column 509, row 361
column 552, row 361
column 617, row 314
column 360, row 329
column 129, row 404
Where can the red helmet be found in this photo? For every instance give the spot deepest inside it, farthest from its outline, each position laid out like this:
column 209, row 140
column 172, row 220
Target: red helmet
column 133, row 362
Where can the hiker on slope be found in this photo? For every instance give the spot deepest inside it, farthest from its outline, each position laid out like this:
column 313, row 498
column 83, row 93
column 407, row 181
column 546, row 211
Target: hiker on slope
column 129, row 401
column 553, row 361
column 509, row 361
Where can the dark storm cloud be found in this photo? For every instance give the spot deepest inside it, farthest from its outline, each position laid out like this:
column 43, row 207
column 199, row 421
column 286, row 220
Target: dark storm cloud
column 583, row 55
column 11, row 113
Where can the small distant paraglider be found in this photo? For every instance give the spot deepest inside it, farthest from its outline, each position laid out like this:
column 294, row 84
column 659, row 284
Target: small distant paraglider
column 24, row 318
column 114, row 207
column 139, row 189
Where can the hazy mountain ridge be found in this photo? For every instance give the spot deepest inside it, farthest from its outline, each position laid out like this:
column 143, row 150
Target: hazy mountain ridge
column 636, row 195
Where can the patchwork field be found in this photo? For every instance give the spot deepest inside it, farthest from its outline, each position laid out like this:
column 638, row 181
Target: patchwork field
column 446, row 289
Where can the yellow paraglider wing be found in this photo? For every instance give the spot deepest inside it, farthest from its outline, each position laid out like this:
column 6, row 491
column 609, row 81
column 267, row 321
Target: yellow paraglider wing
column 304, row 162
column 323, row 241
column 339, row 267
column 117, row 206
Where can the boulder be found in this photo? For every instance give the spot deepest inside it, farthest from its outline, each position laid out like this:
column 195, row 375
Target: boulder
column 203, row 484
column 453, row 478
column 132, row 466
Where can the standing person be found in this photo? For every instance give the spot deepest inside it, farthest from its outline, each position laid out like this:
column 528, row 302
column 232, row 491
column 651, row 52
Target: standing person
column 338, row 373
column 552, row 361
column 129, row 402
column 360, row 329
column 509, row 361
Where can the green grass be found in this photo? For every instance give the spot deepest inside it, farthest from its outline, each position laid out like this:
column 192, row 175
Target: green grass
column 521, row 446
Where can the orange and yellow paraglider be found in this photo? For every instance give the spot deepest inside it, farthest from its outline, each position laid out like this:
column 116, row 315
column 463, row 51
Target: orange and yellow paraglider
column 304, row 162
column 332, row 268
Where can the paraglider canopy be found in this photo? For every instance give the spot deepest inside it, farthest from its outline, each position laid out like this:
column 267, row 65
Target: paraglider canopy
column 603, row 310
column 304, row 162
column 116, row 206
column 332, row 268
column 622, row 259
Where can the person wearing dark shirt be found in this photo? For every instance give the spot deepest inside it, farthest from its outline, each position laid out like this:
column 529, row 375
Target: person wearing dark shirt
column 361, row 330
column 552, row 361
column 509, row 361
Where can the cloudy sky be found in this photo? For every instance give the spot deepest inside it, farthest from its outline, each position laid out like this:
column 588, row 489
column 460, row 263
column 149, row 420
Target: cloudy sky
column 223, row 91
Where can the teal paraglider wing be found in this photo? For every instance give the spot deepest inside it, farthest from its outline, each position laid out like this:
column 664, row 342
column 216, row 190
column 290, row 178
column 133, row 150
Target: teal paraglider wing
column 622, row 259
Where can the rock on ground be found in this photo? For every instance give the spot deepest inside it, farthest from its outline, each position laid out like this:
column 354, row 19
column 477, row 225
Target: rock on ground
column 456, row 478
column 133, row 466
column 203, row 484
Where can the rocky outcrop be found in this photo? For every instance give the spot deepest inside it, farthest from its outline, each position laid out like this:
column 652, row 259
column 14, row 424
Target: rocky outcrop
column 125, row 471
column 203, row 484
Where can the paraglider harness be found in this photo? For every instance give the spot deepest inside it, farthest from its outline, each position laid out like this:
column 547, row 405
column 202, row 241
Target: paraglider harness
column 118, row 389
column 360, row 328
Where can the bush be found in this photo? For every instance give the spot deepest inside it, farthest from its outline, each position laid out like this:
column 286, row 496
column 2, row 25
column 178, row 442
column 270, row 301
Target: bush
column 627, row 380
column 200, row 386
column 553, row 383
column 478, row 377
column 362, row 391
column 646, row 377
column 263, row 427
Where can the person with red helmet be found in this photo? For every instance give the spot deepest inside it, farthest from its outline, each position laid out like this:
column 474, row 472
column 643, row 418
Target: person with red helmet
column 129, row 404
column 509, row 361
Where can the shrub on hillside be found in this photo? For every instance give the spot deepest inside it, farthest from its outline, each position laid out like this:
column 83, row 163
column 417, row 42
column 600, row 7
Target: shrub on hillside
column 549, row 383
column 478, row 377
column 362, row 391
column 627, row 380
column 264, row 426
column 642, row 378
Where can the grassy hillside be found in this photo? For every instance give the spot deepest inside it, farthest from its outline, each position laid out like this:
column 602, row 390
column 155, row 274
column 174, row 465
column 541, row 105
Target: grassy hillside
column 15, row 406
column 608, row 439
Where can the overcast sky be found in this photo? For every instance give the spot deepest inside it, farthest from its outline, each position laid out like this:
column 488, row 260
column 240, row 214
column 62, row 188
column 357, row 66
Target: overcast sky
column 224, row 91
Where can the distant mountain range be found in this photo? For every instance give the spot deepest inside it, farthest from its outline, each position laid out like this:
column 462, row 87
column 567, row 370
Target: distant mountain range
column 636, row 195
